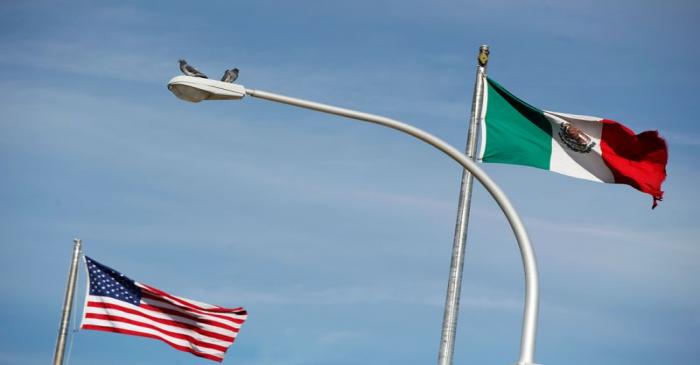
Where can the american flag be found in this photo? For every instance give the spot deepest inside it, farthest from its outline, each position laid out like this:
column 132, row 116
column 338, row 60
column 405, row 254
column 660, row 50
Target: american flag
column 116, row 303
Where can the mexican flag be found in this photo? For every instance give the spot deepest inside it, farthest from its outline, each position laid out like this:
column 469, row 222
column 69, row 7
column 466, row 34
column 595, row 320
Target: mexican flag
column 591, row 148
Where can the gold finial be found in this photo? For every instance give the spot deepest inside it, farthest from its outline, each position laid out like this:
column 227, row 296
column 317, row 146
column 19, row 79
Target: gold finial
column 483, row 55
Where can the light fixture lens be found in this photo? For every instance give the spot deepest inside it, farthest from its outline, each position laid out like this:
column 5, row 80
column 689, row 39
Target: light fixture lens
column 188, row 93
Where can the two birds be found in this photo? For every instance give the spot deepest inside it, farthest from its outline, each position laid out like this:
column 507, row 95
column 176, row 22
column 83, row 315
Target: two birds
column 229, row 75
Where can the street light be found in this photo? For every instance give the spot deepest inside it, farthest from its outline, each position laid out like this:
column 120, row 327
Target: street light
column 197, row 89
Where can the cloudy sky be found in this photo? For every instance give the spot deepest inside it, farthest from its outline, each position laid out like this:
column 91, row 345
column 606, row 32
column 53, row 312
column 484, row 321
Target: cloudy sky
column 336, row 235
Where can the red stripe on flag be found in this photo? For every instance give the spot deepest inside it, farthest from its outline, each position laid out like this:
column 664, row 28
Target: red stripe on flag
column 149, row 335
column 638, row 160
column 185, row 314
column 182, row 336
column 150, row 296
column 169, row 322
column 215, row 308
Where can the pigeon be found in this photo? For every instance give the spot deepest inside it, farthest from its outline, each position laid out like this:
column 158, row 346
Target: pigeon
column 230, row 75
column 190, row 71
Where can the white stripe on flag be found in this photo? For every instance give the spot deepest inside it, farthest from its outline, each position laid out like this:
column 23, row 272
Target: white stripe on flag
column 231, row 319
column 152, row 332
column 170, row 328
column 482, row 121
column 161, row 315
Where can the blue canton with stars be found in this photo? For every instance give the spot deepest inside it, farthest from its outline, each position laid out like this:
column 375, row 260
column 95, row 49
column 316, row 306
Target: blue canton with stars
column 107, row 282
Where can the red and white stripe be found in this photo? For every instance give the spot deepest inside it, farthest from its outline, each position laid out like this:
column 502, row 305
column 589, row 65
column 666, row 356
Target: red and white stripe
column 187, row 325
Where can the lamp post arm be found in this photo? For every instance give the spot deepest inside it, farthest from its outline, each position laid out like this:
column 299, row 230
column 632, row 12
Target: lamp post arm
column 529, row 329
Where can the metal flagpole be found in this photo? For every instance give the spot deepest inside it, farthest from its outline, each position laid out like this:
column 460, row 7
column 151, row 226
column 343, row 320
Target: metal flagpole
column 454, row 285
column 67, row 305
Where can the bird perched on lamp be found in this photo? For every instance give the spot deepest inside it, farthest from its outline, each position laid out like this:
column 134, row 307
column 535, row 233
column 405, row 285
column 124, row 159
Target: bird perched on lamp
column 230, row 75
column 190, row 71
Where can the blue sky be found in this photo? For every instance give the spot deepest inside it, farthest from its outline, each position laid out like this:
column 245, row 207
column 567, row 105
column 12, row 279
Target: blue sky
column 335, row 235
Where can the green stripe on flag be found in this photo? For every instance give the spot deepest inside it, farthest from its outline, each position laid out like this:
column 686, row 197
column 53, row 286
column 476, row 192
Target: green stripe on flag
column 516, row 132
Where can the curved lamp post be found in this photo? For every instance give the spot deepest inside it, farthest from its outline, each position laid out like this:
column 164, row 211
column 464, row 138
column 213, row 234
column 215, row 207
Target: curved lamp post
column 195, row 89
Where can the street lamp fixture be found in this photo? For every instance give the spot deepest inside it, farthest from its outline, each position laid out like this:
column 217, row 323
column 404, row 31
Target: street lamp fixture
column 196, row 89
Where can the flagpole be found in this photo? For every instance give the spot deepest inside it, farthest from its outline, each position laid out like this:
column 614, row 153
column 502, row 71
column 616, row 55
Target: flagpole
column 454, row 284
column 67, row 305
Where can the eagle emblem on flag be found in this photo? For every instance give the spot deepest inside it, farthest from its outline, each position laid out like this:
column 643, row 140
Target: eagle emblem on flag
column 575, row 138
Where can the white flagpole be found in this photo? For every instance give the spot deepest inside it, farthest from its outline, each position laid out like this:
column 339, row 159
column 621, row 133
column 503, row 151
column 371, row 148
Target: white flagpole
column 67, row 305
column 454, row 284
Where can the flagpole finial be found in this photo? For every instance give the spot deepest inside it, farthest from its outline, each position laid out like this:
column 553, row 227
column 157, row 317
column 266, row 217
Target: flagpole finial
column 483, row 55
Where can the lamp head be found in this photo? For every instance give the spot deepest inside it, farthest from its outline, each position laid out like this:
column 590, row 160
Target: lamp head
column 196, row 89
